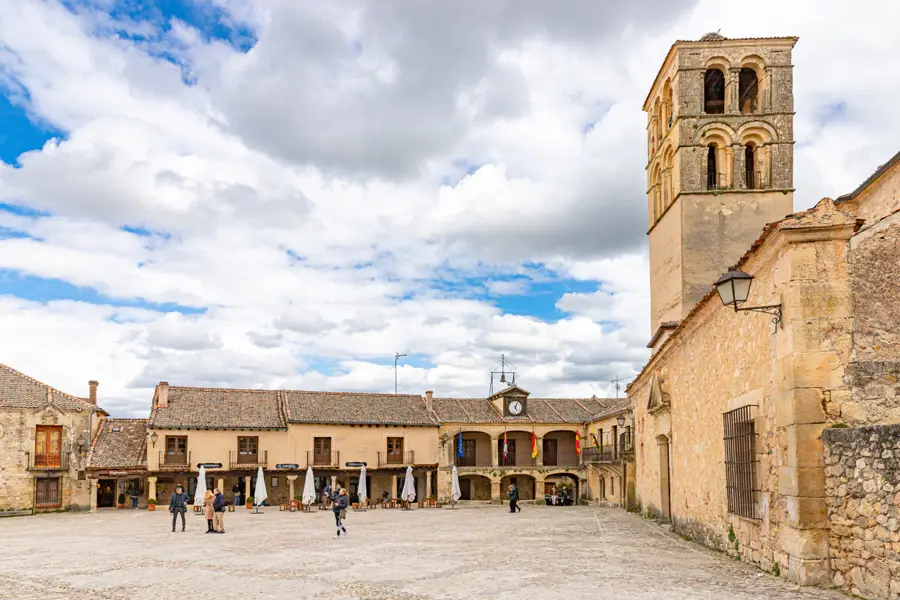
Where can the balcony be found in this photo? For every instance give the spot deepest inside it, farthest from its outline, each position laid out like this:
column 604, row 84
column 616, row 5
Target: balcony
column 323, row 459
column 396, row 459
column 603, row 454
column 243, row 460
column 512, row 461
column 473, row 461
column 175, row 462
column 48, row 462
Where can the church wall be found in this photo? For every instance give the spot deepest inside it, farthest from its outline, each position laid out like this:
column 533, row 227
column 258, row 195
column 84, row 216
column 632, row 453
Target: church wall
column 666, row 268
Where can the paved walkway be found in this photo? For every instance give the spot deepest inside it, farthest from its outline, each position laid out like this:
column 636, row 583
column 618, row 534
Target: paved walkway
column 543, row 553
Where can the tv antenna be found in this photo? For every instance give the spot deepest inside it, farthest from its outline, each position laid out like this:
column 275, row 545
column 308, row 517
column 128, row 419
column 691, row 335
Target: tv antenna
column 617, row 381
column 507, row 372
column 396, row 358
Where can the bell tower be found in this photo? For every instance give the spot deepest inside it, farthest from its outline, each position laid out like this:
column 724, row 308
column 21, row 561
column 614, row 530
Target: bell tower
column 720, row 161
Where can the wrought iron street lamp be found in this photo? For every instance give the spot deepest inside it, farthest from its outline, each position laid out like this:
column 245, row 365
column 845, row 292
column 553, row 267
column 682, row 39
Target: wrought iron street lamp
column 621, row 420
column 153, row 437
column 734, row 289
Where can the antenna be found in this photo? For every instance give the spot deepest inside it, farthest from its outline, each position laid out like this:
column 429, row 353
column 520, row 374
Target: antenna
column 618, row 386
column 396, row 358
column 507, row 372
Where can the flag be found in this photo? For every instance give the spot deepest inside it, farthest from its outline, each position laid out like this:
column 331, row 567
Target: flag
column 577, row 444
column 594, row 437
column 505, row 446
column 459, row 445
column 533, row 444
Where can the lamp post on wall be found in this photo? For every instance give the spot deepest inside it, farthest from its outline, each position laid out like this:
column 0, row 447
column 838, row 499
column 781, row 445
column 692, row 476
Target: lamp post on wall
column 734, row 288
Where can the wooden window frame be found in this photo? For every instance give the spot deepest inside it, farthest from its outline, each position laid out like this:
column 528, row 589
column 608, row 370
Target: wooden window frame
column 245, row 453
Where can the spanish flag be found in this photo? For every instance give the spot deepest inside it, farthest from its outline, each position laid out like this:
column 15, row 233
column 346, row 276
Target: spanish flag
column 577, row 444
column 533, row 444
column 594, row 437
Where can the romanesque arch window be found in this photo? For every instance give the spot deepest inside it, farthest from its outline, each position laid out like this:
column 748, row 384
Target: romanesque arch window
column 714, row 92
column 667, row 105
column 668, row 174
column 752, row 174
column 657, row 110
column 712, row 171
column 748, row 90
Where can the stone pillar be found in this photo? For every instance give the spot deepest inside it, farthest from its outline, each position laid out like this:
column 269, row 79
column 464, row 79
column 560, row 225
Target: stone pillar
column 220, row 483
column 291, row 479
column 540, row 456
column 427, row 484
column 738, row 173
column 495, row 491
column 394, row 486
column 333, row 483
column 732, row 91
column 495, row 452
column 151, row 490
column 538, row 488
column 93, row 483
column 247, row 491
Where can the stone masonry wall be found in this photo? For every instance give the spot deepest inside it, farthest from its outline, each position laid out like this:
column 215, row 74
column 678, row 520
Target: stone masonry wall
column 863, row 487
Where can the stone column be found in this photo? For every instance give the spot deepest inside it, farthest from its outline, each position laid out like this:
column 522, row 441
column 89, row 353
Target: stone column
column 220, row 483
column 291, row 479
column 93, row 484
column 495, row 452
column 393, row 486
column 333, row 483
column 732, row 91
column 427, row 484
column 151, row 490
column 495, row 491
column 247, row 491
column 540, row 456
column 538, row 488
column 740, row 177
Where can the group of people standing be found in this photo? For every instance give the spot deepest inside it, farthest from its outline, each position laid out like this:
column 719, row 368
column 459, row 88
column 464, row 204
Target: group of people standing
column 213, row 503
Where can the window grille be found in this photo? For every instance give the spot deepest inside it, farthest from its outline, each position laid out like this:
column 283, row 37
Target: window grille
column 740, row 462
column 47, row 493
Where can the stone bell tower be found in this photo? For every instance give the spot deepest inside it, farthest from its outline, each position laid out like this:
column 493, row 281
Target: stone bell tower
column 720, row 158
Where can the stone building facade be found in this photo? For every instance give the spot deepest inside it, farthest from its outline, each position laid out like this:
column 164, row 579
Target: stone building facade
column 719, row 142
column 731, row 407
column 45, row 435
column 609, row 455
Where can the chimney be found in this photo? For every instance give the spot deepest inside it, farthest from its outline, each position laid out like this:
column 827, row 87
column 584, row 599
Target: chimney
column 162, row 394
column 93, row 385
column 429, row 405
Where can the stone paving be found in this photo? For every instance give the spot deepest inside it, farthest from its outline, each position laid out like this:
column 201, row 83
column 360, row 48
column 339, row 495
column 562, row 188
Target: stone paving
column 542, row 553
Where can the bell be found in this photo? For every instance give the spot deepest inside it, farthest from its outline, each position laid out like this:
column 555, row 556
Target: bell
column 502, row 377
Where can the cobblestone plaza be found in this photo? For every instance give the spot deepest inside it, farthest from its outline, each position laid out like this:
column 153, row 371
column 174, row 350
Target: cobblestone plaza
column 578, row 552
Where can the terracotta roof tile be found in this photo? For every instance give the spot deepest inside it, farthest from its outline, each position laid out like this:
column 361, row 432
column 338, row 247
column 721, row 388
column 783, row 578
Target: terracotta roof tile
column 18, row 390
column 119, row 444
column 356, row 408
column 218, row 408
column 617, row 406
column 540, row 410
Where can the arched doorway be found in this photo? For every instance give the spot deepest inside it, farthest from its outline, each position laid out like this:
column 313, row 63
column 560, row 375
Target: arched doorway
column 563, row 481
column 665, row 502
column 475, row 487
column 525, row 483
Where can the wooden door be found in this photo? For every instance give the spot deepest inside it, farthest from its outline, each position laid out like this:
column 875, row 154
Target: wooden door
column 465, row 489
column 510, row 459
column 468, row 457
column 48, row 446
column 248, row 449
column 550, row 458
column 395, row 450
column 322, row 450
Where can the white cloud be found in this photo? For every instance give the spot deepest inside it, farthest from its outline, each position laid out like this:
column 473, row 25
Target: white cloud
column 312, row 194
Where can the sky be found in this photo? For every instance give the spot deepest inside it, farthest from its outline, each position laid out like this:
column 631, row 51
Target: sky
column 285, row 193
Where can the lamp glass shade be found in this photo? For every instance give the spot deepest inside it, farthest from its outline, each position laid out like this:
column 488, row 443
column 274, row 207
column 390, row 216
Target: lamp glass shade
column 621, row 421
column 154, row 437
column 734, row 287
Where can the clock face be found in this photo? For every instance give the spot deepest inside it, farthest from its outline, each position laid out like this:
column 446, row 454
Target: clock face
column 515, row 407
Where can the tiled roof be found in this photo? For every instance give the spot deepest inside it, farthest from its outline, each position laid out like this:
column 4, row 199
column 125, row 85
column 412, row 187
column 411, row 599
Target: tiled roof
column 119, row 444
column 18, row 390
column 356, row 408
column 218, row 408
column 617, row 406
column 540, row 410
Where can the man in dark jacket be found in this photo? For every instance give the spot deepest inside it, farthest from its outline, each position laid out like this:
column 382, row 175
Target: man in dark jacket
column 339, row 505
column 218, row 511
column 514, row 499
column 178, row 505
column 236, row 490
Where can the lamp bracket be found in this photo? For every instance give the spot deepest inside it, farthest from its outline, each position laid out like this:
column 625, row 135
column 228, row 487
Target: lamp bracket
column 770, row 309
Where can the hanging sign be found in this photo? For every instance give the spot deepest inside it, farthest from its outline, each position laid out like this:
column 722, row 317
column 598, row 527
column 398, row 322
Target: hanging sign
column 210, row 465
column 287, row 466
column 355, row 464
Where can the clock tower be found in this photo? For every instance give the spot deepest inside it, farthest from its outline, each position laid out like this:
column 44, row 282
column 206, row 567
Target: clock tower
column 511, row 402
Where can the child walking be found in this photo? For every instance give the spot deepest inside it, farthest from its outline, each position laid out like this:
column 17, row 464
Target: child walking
column 339, row 506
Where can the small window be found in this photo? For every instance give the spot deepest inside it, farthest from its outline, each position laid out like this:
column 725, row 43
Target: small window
column 47, row 493
column 740, row 462
column 748, row 90
column 714, row 92
column 752, row 175
column 712, row 172
column 612, row 486
column 117, row 429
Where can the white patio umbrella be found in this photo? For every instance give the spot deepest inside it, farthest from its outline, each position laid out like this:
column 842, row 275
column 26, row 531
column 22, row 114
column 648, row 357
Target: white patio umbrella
column 409, row 487
column 309, row 488
column 201, row 487
column 456, row 493
column 259, row 494
column 362, row 491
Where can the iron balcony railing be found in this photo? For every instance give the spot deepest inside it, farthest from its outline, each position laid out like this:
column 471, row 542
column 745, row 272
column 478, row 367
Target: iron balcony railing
column 469, row 460
column 49, row 462
column 716, row 181
column 245, row 460
column 390, row 459
column 516, row 461
column 323, row 459
column 608, row 453
column 180, row 461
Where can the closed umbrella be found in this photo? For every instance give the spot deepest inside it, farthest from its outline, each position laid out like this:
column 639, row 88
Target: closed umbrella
column 309, row 488
column 201, row 487
column 456, row 493
column 259, row 494
column 362, row 491
column 409, row 487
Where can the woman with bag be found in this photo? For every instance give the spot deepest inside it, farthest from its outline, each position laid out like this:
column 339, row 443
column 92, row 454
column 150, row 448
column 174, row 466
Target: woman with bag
column 208, row 500
column 339, row 506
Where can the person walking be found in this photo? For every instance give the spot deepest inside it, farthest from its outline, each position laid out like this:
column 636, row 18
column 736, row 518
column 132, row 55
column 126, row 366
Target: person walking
column 218, row 511
column 514, row 499
column 134, row 493
column 178, row 505
column 339, row 506
column 208, row 500
column 326, row 494
column 236, row 490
